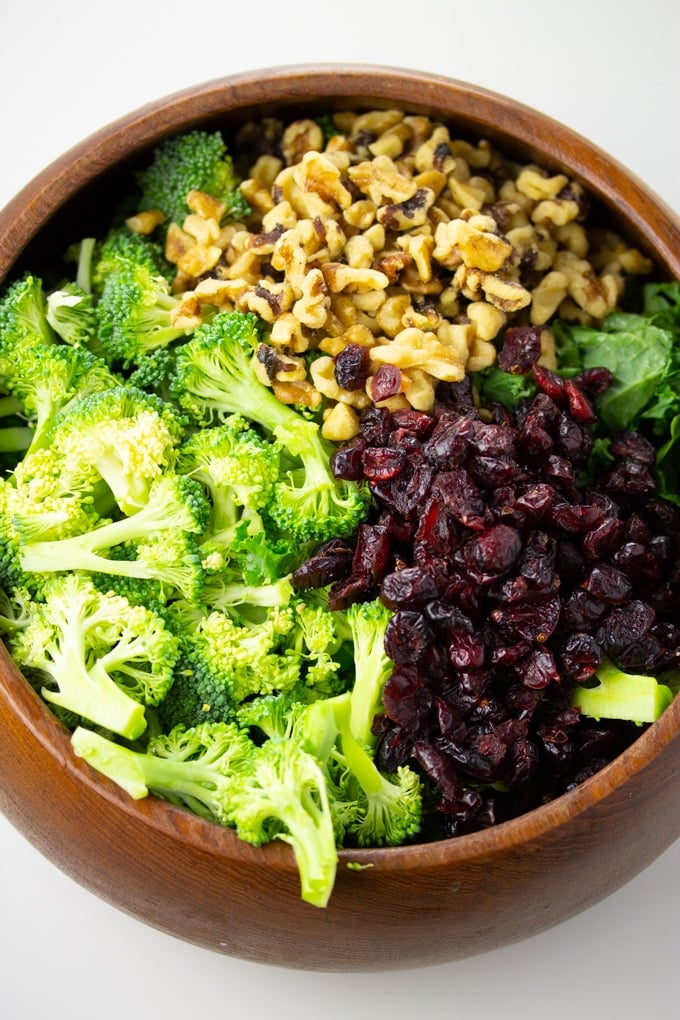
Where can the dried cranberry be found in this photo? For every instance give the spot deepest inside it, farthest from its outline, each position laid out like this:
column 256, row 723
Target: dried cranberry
column 448, row 444
column 580, row 406
column 490, row 553
column 376, row 424
column 382, row 463
column 462, row 497
column 331, row 561
column 386, row 382
column 411, row 586
column 532, row 621
column 407, row 635
column 625, row 625
column 603, row 539
column 607, row 583
column 550, row 383
column 521, row 349
column 352, row 367
column 347, row 461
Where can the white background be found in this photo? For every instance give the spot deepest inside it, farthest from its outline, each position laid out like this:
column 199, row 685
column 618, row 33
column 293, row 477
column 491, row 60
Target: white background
column 609, row 69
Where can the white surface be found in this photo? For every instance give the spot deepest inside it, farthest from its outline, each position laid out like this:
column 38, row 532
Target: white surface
column 607, row 68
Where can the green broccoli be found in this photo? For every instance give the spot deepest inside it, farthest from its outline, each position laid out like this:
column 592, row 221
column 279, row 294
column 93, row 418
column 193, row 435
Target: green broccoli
column 367, row 622
column 276, row 791
column 123, row 248
column 154, row 373
column 614, row 694
column 283, row 795
column 191, row 767
column 95, row 655
column 44, row 499
column 134, row 314
column 214, row 378
column 23, row 316
column 226, row 589
column 370, row 808
column 239, row 471
column 127, row 436
column 164, row 532
column 193, row 161
column 48, row 379
column 71, row 314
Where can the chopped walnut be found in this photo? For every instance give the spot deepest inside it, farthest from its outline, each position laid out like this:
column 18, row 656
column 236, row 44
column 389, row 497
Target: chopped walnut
column 398, row 237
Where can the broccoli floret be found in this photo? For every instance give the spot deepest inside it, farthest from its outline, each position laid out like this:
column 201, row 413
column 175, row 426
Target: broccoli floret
column 164, row 532
column 199, row 694
column 192, row 767
column 276, row 791
column 367, row 622
column 214, row 378
column 239, row 471
column 71, row 314
column 45, row 499
column 272, row 715
column 317, row 640
column 127, row 436
column 48, row 379
column 23, row 317
column 282, row 795
column 134, row 314
column 371, row 808
column 123, row 248
column 154, row 372
column 613, row 694
column 226, row 659
column 194, row 161
column 249, row 658
column 96, row 655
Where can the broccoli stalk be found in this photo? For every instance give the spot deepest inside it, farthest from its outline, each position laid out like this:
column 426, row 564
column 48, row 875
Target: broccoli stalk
column 97, row 656
column 214, row 378
column 367, row 622
column 373, row 808
column 163, row 530
column 126, row 436
column 618, row 695
column 283, row 796
column 192, row 767
column 276, row 791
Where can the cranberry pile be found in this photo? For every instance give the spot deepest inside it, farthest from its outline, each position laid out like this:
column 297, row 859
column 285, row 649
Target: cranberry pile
column 512, row 573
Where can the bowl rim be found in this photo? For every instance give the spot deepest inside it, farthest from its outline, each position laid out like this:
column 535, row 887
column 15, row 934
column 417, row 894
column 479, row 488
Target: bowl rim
column 32, row 207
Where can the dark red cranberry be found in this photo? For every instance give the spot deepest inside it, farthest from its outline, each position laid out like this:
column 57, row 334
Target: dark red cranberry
column 520, row 350
column 352, row 367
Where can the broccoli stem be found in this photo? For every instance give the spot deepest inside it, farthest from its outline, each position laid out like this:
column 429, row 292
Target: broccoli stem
column 15, row 438
column 619, row 695
column 91, row 693
column 363, row 768
column 79, row 552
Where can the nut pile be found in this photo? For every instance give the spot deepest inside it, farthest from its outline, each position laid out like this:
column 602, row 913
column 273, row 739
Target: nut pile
column 394, row 252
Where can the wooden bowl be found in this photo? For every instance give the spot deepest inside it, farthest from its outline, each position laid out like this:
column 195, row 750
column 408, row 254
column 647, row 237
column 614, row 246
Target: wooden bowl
column 404, row 907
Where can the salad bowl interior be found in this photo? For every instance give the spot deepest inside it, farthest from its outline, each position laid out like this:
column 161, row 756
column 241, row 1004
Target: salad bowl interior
column 391, row 907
